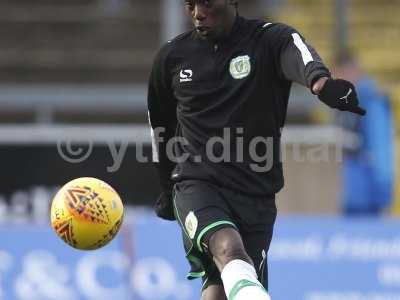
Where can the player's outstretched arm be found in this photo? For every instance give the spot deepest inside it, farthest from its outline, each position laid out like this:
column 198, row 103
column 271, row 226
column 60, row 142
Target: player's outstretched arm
column 300, row 62
column 295, row 60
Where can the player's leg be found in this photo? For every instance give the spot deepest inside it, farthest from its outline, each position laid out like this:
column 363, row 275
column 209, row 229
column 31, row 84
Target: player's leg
column 226, row 245
column 237, row 270
column 214, row 292
column 201, row 210
column 212, row 288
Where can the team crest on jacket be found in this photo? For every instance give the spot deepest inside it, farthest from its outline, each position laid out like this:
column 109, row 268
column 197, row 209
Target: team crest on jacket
column 240, row 67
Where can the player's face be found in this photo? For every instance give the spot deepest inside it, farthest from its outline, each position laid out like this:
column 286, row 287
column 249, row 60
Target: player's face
column 211, row 18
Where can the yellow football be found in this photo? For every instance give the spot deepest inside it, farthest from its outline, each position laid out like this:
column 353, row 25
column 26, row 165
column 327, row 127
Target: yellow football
column 86, row 213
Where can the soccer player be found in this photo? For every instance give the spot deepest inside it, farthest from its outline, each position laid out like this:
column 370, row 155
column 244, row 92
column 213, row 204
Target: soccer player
column 217, row 101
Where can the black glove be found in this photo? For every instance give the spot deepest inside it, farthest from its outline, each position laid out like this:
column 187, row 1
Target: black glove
column 164, row 207
column 341, row 94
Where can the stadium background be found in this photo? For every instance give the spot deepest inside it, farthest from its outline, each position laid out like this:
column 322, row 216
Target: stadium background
column 73, row 103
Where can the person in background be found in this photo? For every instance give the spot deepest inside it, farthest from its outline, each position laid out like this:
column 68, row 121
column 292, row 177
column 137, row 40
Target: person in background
column 368, row 168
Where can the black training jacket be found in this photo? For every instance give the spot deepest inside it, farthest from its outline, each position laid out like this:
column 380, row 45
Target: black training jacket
column 217, row 108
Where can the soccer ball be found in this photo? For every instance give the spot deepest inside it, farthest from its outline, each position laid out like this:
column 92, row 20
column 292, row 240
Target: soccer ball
column 86, row 213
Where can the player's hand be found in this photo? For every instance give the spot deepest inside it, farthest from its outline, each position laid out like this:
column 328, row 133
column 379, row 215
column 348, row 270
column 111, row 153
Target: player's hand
column 164, row 207
column 341, row 94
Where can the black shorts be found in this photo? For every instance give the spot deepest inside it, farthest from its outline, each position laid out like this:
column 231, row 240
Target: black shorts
column 201, row 208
